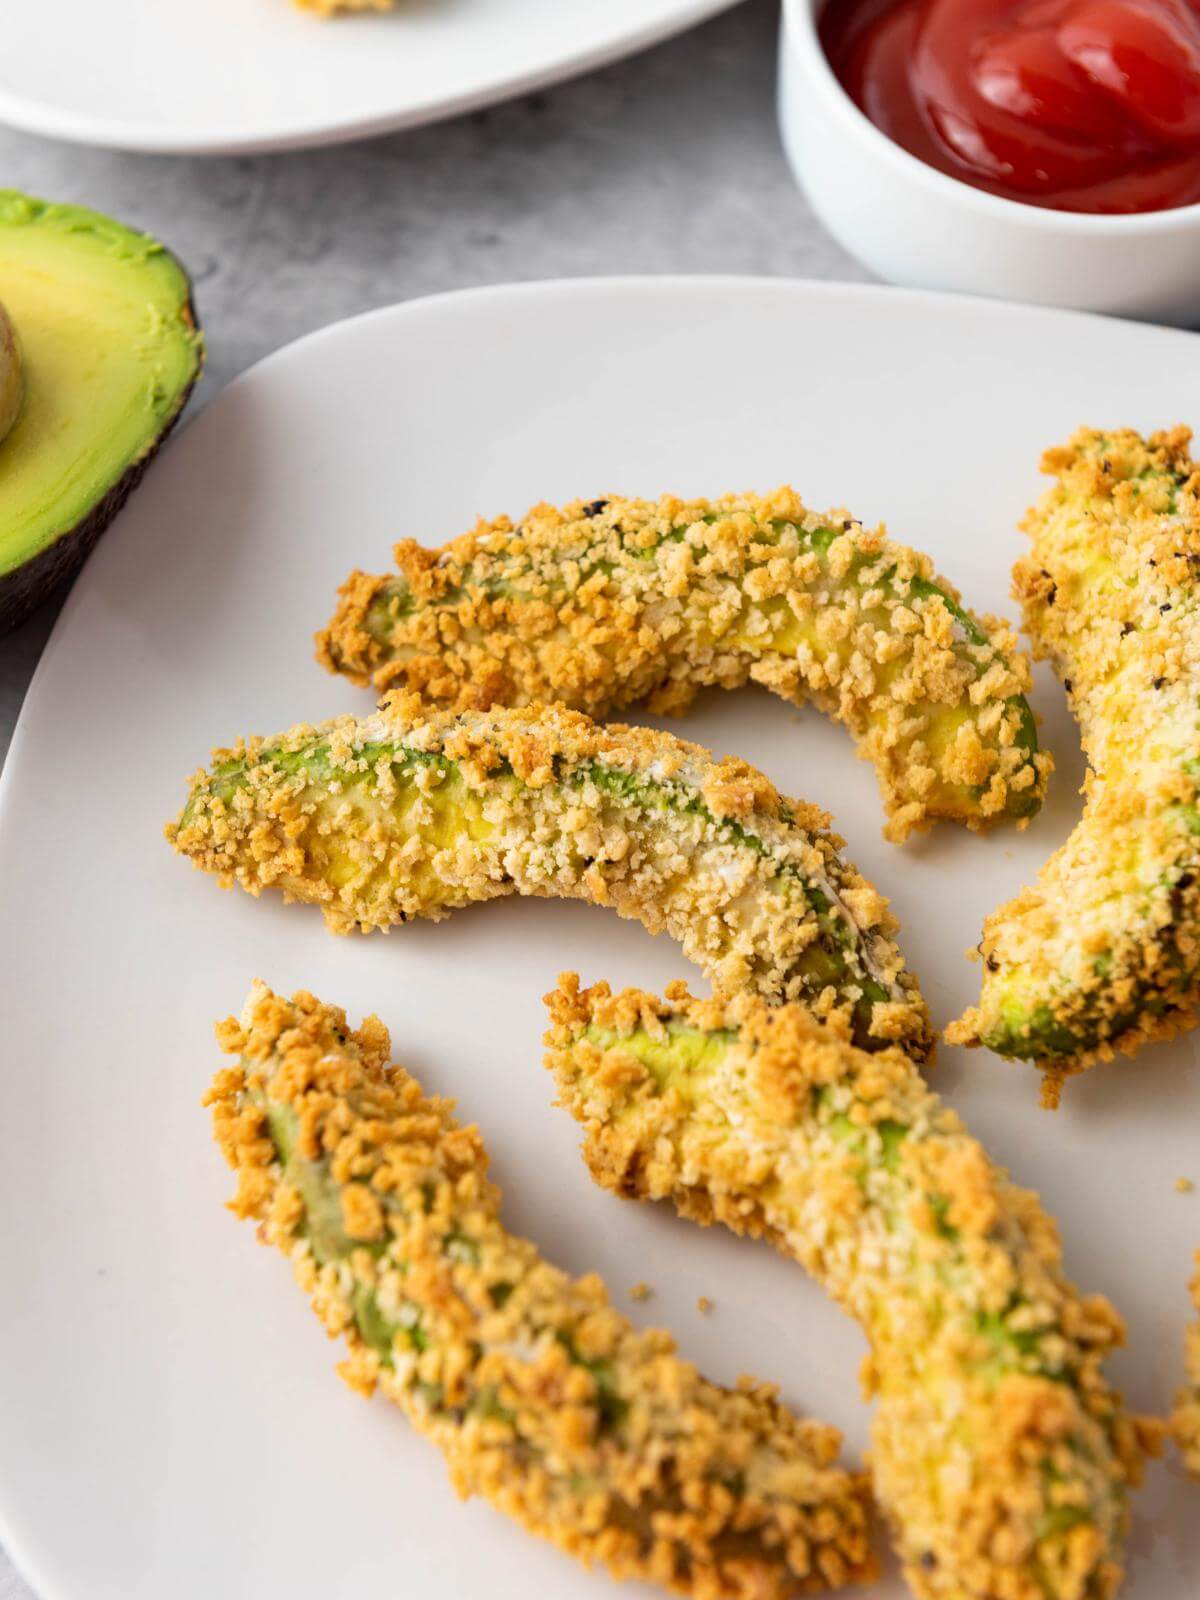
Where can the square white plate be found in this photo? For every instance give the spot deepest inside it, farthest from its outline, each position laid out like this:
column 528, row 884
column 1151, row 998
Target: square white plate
column 171, row 1425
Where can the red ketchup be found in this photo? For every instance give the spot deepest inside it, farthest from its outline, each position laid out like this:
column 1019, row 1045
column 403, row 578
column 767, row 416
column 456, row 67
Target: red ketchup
column 1082, row 105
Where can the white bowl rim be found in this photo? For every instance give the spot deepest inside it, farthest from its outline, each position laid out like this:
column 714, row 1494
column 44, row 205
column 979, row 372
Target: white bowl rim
column 801, row 33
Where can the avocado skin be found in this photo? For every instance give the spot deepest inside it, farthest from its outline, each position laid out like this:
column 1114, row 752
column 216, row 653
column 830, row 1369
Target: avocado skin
column 27, row 586
column 25, row 589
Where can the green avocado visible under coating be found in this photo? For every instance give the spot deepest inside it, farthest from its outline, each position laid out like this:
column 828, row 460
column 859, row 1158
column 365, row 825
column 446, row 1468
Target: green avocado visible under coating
column 412, row 813
column 604, row 604
column 1103, row 953
column 541, row 1396
column 1000, row 1453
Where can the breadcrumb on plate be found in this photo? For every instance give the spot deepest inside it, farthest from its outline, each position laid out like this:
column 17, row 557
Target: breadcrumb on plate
column 1185, row 1420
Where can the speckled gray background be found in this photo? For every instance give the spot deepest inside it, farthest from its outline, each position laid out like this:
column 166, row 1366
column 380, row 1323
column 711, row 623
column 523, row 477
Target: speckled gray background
column 666, row 163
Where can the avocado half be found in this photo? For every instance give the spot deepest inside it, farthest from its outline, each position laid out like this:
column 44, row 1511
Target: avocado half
column 107, row 350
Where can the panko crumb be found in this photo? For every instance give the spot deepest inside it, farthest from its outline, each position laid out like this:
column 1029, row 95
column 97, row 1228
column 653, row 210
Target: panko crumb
column 1185, row 1419
column 1184, row 1185
column 340, row 8
column 640, row 1291
column 704, row 1305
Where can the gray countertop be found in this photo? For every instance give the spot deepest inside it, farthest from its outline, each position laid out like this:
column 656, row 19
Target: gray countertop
column 669, row 162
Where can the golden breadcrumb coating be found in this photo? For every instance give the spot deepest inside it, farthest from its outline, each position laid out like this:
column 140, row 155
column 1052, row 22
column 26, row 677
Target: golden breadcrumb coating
column 603, row 604
column 541, row 1396
column 338, row 8
column 412, row 812
column 1103, row 953
column 1186, row 1418
column 1001, row 1454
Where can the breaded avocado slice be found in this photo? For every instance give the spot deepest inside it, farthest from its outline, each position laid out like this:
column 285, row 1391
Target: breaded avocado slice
column 1103, row 952
column 541, row 1396
column 1000, row 1453
column 412, row 813
column 603, row 604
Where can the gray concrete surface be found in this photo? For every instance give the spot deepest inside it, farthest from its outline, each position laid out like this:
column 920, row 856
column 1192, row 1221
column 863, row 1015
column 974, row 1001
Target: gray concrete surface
column 669, row 162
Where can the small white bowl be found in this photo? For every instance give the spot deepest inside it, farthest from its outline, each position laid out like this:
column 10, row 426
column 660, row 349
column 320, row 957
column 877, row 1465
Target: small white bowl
column 914, row 225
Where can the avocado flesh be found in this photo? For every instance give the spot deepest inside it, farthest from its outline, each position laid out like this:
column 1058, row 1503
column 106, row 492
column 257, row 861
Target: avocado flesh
column 111, row 351
column 12, row 376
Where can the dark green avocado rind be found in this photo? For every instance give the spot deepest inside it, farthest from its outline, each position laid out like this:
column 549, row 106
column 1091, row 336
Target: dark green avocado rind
column 24, row 589
column 27, row 586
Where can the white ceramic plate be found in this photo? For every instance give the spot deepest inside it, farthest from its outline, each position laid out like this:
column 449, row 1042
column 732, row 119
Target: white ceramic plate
column 226, row 76
column 171, row 1421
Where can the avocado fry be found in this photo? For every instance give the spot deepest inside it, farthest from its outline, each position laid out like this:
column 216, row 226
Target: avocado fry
column 412, row 813
column 541, row 1396
column 1001, row 1455
column 1103, row 953
column 1185, row 1421
column 603, row 604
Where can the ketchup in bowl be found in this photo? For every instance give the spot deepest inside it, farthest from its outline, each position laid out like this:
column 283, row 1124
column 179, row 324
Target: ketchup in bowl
column 1082, row 105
